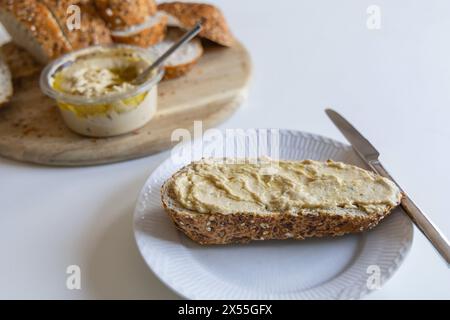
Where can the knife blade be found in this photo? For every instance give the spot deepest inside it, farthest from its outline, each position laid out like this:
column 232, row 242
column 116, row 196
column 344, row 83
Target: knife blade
column 369, row 154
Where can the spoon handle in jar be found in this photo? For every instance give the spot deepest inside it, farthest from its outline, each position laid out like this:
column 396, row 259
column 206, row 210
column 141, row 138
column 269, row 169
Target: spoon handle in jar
column 184, row 39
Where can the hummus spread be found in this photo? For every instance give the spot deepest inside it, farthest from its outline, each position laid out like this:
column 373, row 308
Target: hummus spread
column 283, row 186
column 99, row 76
column 95, row 93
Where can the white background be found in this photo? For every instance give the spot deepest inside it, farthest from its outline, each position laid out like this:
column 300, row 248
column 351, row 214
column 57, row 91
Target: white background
column 393, row 84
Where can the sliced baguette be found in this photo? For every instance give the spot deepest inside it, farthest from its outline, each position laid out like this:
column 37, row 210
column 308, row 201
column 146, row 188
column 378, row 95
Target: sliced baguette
column 121, row 14
column 32, row 26
column 185, row 15
column 144, row 35
column 20, row 62
column 6, row 87
column 183, row 60
column 241, row 227
column 92, row 29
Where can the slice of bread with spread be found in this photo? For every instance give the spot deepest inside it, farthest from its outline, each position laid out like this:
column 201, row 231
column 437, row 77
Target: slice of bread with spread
column 181, row 61
column 218, row 202
column 33, row 27
column 185, row 15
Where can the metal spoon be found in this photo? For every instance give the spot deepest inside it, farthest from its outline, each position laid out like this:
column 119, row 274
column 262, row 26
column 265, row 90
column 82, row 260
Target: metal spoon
column 142, row 77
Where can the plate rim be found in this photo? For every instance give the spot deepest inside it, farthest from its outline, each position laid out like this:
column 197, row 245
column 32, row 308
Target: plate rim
column 355, row 292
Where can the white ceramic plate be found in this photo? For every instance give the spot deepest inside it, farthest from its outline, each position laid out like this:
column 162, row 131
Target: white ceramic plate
column 333, row 268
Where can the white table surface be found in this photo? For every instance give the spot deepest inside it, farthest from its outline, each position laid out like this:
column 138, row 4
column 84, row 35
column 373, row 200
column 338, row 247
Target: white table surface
column 392, row 83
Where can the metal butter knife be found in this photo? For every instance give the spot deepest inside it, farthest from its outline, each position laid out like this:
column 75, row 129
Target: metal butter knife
column 367, row 152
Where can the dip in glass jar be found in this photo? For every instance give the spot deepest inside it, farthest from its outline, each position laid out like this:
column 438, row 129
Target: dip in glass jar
column 95, row 93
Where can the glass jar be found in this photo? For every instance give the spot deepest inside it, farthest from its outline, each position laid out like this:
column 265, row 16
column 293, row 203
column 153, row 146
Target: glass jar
column 95, row 96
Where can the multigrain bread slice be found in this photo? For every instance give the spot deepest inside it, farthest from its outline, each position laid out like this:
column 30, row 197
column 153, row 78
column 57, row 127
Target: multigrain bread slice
column 20, row 62
column 33, row 27
column 144, row 35
column 186, row 14
column 181, row 61
column 6, row 87
column 92, row 29
column 121, row 14
column 303, row 220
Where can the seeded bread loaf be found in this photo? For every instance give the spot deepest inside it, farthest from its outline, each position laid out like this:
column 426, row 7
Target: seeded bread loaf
column 217, row 207
column 121, row 14
column 33, row 27
column 185, row 15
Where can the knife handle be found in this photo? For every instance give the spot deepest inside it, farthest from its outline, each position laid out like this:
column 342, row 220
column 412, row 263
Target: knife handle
column 425, row 225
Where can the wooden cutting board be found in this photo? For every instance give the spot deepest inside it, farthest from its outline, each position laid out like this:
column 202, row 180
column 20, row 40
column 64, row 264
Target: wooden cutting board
column 32, row 130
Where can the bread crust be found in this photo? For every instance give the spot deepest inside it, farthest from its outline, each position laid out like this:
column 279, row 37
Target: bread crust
column 214, row 28
column 120, row 14
column 216, row 228
column 146, row 37
column 243, row 227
